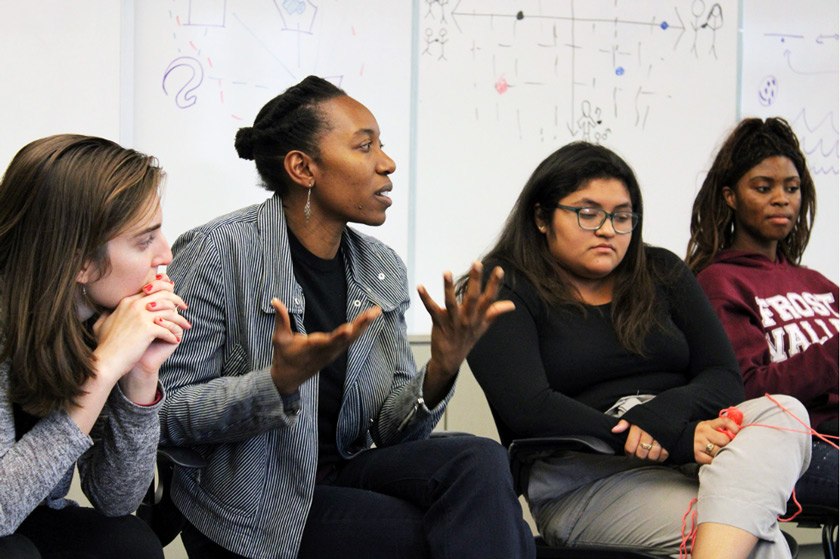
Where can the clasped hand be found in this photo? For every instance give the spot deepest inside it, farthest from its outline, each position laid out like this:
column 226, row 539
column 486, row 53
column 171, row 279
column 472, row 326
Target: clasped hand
column 135, row 338
column 708, row 440
column 640, row 443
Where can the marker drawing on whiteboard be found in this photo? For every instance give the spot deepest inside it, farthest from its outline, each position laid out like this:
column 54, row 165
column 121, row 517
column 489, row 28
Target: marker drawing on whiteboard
column 204, row 13
column 820, row 141
column 596, row 56
column 435, row 41
column 297, row 15
column 768, row 91
column 713, row 22
column 439, row 3
column 178, row 69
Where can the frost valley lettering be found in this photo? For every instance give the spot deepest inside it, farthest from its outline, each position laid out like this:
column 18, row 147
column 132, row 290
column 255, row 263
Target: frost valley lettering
column 794, row 321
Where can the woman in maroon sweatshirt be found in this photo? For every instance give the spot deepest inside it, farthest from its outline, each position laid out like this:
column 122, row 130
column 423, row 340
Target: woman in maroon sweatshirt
column 750, row 225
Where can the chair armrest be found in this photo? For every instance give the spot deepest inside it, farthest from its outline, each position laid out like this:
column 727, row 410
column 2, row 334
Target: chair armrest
column 157, row 509
column 180, row 456
column 536, row 447
column 524, row 452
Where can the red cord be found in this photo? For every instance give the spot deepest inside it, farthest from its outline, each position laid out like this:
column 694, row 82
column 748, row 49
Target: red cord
column 691, row 536
column 798, row 508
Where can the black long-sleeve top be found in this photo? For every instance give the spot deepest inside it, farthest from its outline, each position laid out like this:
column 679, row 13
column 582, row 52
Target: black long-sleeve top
column 550, row 371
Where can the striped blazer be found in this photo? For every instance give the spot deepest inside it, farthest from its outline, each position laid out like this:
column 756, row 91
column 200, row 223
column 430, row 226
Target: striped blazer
column 255, row 493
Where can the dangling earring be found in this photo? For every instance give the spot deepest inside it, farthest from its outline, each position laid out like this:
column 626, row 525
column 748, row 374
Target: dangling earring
column 307, row 208
column 84, row 291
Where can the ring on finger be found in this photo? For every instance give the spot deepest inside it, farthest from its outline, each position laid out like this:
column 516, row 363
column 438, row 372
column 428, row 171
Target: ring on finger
column 710, row 449
column 646, row 446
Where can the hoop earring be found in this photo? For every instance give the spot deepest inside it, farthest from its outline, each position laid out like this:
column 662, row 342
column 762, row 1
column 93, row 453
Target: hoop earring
column 307, row 208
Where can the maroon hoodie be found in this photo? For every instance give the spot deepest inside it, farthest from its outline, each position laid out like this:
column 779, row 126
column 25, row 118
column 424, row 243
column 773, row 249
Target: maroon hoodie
column 783, row 323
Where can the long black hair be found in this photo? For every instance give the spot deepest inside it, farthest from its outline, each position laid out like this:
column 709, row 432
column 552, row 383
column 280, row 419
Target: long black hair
column 522, row 247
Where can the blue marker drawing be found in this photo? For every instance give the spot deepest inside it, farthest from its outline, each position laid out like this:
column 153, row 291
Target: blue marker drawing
column 664, row 25
column 619, row 71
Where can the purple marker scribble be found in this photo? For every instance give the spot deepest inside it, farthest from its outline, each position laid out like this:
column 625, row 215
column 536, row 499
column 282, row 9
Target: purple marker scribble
column 820, row 141
column 768, row 91
column 185, row 97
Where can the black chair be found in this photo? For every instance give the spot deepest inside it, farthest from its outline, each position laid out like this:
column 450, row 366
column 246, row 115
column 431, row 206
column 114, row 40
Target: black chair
column 823, row 518
column 816, row 516
column 157, row 508
column 524, row 452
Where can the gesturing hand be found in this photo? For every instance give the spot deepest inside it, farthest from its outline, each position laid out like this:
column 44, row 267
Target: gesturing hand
column 299, row 356
column 457, row 327
column 640, row 443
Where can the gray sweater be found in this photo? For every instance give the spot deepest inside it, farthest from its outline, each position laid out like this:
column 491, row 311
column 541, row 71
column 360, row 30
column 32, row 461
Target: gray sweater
column 116, row 465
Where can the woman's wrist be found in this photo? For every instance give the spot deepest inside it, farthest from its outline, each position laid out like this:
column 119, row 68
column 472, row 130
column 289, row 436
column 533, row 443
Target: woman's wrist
column 140, row 388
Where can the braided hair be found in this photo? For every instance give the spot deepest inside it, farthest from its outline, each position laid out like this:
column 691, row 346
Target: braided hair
column 290, row 121
column 713, row 221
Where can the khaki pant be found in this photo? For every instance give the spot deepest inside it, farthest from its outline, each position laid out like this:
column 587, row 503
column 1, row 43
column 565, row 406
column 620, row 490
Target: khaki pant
column 579, row 499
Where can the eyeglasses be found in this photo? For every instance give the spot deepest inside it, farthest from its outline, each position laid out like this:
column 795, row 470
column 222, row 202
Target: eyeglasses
column 591, row 219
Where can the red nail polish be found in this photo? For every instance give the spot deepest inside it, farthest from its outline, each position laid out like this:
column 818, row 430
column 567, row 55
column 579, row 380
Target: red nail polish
column 147, row 287
column 152, row 305
column 177, row 339
column 159, row 276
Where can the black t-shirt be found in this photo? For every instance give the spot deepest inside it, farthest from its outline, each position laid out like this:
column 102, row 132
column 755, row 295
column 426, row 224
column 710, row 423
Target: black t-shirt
column 325, row 289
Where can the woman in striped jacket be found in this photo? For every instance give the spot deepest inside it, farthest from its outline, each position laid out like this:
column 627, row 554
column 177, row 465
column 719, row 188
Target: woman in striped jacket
column 298, row 363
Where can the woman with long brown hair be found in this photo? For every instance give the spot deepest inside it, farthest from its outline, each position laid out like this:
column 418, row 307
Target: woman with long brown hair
column 86, row 319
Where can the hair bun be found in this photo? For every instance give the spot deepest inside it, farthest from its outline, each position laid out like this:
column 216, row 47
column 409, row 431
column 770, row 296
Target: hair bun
column 244, row 143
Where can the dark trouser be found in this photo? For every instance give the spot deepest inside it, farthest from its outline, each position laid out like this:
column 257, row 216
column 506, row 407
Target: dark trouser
column 818, row 486
column 83, row 533
column 18, row 547
column 449, row 497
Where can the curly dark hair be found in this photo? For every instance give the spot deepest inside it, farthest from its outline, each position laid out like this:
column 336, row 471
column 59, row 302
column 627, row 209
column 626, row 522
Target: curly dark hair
column 713, row 222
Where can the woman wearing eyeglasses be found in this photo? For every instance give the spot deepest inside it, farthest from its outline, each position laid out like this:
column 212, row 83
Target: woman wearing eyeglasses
column 614, row 340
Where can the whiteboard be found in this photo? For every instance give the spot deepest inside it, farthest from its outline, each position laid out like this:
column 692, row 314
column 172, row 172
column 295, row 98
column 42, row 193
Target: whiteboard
column 790, row 69
column 60, row 68
column 503, row 84
column 204, row 68
column 470, row 95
